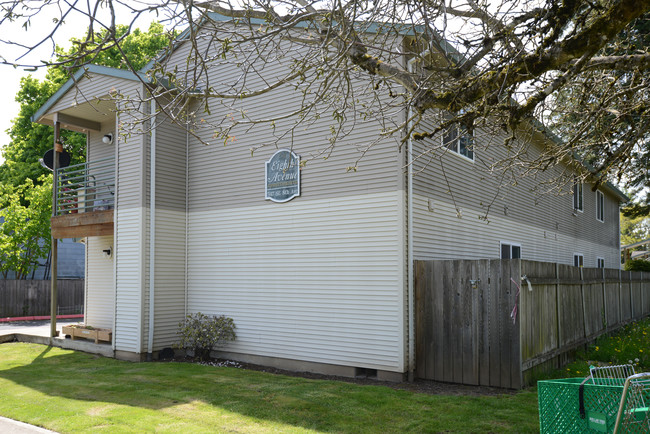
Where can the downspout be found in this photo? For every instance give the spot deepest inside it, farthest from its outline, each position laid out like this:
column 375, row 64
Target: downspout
column 116, row 221
column 409, row 244
column 187, row 217
column 152, row 231
column 57, row 148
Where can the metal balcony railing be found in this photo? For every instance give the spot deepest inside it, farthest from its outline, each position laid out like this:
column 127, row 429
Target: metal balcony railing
column 86, row 187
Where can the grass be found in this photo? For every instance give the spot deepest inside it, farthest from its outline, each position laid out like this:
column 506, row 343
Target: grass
column 629, row 345
column 69, row 391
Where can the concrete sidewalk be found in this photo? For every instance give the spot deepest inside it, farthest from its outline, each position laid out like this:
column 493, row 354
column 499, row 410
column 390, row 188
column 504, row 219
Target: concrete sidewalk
column 34, row 328
column 10, row 426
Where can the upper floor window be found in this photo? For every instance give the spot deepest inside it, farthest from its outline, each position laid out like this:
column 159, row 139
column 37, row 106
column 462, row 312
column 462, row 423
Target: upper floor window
column 577, row 196
column 600, row 206
column 600, row 262
column 459, row 139
column 510, row 251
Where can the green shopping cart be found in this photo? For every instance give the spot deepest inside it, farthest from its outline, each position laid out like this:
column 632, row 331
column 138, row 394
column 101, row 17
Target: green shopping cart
column 612, row 399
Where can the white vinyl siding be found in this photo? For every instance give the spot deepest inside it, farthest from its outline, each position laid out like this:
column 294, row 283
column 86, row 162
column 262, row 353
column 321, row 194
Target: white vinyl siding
column 169, row 266
column 315, row 280
column 100, row 293
column 130, row 235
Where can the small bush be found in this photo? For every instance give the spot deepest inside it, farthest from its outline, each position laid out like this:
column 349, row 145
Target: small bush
column 637, row 265
column 203, row 333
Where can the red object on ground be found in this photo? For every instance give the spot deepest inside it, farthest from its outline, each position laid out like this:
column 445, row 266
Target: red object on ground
column 40, row 318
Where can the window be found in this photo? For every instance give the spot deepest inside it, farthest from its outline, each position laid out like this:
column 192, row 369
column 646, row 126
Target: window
column 601, row 262
column 577, row 196
column 510, row 251
column 600, row 206
column 459, row 139
column 578, row 260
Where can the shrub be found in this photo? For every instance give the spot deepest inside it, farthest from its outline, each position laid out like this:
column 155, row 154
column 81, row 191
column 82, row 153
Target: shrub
column 203, row 333
column 637, row 265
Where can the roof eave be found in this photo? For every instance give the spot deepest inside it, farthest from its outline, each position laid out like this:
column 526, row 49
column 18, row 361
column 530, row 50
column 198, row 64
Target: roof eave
column 77, row 76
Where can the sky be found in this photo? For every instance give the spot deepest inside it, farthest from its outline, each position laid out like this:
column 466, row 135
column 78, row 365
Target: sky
column 40, row 26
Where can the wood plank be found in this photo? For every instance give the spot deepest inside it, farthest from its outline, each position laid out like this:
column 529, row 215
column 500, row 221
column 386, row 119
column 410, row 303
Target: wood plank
column 456, row 321
column 81, row 219
column 494, row 323
column 421, row 323
column 515, row 335
column 505, row 308
column 83, row 231
column 79, row 225
column 438, row 333
column 468, row 303
column 483, row 316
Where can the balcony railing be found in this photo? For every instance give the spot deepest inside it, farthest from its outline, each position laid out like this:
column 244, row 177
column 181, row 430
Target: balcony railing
column 86, row 187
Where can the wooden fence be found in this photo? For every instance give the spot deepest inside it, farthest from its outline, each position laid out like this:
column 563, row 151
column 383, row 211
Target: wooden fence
column 479, row 322
column 32, row 297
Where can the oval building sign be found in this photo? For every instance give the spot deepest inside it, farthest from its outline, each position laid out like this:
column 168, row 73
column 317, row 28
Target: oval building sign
column 282, row 176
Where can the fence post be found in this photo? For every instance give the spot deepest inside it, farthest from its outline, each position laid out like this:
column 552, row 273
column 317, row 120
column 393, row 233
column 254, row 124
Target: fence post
column 631, row 296
column 620, row 297
column 602, row 275
column 582, row 297
column 557, row 306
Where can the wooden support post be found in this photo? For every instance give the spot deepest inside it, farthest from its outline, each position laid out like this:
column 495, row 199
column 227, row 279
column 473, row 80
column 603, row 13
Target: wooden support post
column 55, row 256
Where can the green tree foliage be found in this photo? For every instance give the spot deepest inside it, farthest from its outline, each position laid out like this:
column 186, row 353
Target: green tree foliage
column 24, row 227
column 637, row 265
column 30, row 141
column 618, row 135
column 634, row 229
column 26, row 212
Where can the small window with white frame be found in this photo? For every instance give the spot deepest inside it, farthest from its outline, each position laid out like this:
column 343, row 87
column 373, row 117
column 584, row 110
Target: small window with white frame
column 600, row 206
column 578, row 260
column 577, row 195
column 457, row 138
column 600, row 262
column 510, row 251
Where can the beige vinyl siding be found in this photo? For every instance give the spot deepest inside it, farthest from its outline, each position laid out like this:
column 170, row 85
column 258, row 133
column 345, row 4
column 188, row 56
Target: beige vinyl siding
column 319, row 278
column 98, row 150
column 100, row 291
column 170, row 222
column 543, row 224
column 130, row 235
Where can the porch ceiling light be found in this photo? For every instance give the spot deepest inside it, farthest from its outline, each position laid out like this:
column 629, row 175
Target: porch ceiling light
column 108, row 138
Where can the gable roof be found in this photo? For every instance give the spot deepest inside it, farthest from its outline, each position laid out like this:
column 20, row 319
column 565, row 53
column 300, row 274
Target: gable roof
column 443, row 45
column 79, row 75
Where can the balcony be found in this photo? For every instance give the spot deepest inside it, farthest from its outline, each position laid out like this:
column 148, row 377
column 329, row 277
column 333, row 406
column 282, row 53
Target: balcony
column 85, row 198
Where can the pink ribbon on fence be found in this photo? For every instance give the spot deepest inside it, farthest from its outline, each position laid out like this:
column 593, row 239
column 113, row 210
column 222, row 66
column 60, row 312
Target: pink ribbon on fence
column 513, row 314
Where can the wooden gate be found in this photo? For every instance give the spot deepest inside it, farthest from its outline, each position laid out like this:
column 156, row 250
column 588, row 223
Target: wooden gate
column 466, row 329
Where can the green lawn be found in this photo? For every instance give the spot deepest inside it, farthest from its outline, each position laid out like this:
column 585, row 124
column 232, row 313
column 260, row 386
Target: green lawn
column 70, row 391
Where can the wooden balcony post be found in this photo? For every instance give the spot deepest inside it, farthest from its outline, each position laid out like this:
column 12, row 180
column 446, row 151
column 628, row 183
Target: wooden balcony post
column 54, row 273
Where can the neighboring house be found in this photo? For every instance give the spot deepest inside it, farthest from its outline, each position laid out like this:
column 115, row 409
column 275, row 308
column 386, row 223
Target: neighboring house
column 71, row 262
column 636, row 250
column 319, row 282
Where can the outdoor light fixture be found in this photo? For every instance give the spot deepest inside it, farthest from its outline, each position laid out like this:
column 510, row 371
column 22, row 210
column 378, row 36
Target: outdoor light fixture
column 108, row 138
column 108, row 252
